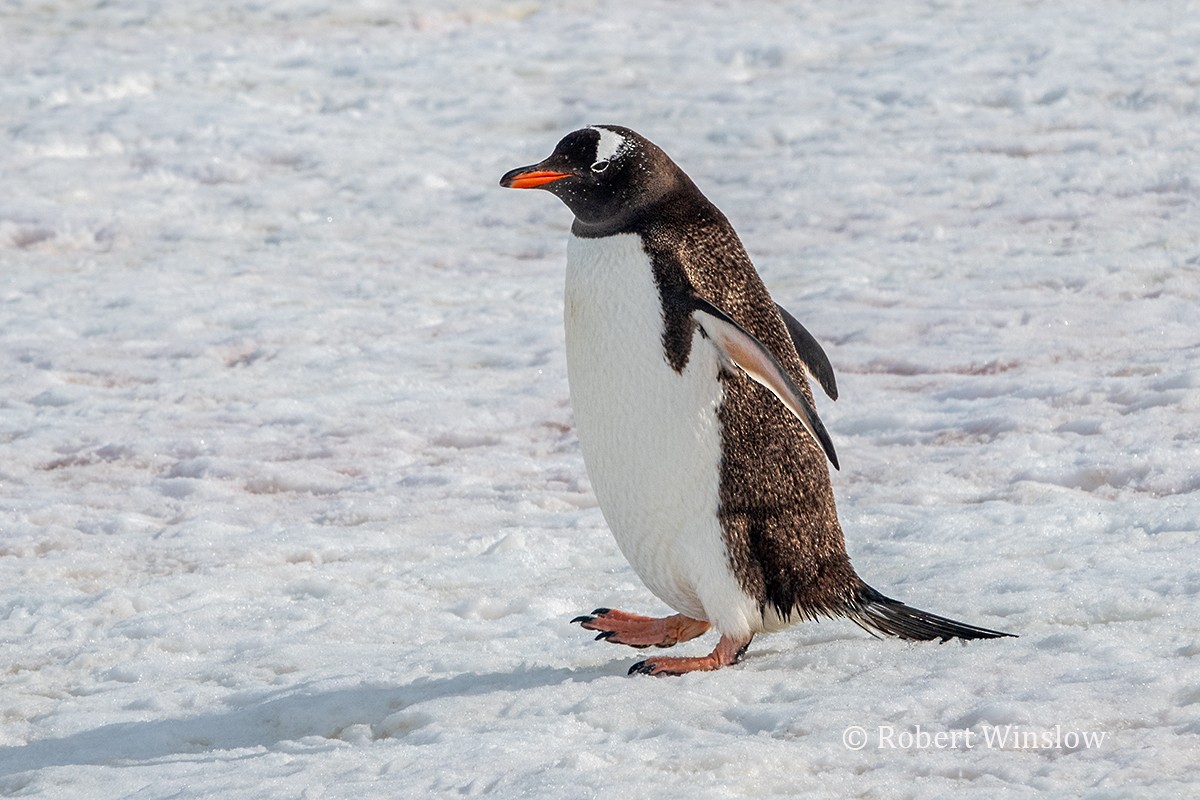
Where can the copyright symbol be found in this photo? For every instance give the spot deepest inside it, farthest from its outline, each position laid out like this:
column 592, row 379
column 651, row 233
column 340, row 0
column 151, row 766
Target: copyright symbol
column 854, row 738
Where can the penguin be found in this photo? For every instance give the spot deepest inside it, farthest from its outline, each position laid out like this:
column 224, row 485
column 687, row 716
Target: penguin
column 691, row 396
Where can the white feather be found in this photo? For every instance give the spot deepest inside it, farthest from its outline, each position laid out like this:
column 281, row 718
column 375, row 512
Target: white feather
column 609, row 145
column 651, row 439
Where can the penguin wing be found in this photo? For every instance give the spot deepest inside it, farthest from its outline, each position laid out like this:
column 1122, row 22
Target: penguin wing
column 744, row 349
column 815, row 362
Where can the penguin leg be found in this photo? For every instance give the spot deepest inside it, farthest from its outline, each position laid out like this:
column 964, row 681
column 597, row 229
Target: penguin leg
column 621, row 627
column 728, row 651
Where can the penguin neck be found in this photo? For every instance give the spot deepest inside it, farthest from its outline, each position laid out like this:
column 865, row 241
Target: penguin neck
column 607, row 227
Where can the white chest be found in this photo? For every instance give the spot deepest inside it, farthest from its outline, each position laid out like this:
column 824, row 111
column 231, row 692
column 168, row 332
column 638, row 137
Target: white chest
column 650, row 435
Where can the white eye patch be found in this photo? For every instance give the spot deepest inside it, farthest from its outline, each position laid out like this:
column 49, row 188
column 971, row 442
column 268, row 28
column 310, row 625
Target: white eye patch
column 609, row 145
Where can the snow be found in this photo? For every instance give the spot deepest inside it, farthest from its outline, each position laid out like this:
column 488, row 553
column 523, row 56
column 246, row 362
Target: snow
column 290, row 500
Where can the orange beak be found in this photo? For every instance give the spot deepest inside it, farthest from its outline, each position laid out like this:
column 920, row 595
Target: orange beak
column 528, row 178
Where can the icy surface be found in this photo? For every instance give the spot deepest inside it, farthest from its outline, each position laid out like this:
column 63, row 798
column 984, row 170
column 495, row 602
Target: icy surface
column 290, row 502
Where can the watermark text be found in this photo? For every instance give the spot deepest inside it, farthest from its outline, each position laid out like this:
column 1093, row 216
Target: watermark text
column 986, row 737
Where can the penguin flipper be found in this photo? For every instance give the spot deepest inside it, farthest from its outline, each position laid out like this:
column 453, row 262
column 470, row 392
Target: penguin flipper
column 744, row 349
column 815, row 362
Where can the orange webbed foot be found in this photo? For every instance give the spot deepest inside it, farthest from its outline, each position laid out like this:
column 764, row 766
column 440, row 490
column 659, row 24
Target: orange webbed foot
column 621, row 627
column 727, row 652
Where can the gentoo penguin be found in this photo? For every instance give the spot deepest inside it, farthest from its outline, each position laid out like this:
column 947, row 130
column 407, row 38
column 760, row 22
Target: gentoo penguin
column 695, row 417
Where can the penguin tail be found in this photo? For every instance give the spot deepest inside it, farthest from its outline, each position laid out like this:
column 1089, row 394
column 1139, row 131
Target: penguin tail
column 878, row 614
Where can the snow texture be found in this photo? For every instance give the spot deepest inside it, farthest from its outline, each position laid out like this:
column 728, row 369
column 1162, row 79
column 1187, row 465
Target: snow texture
column 290, row 498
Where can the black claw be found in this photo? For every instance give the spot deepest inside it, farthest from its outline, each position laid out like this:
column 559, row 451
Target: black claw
column 599, row 612
column 604, row 635
column 644, row 667
column 582, row 618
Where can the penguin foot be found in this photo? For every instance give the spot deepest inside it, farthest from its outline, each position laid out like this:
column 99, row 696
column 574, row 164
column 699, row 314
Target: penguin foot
column 728, row 651
column 621, row 627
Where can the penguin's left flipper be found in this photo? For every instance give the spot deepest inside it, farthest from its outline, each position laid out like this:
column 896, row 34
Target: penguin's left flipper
column 744, row 349
column 812, row 356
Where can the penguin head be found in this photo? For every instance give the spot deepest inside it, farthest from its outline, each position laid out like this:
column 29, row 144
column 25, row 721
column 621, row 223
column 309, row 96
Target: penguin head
column 606, row 174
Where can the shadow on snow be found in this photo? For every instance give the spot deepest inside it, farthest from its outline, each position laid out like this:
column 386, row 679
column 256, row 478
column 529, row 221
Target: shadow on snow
column 296, row 714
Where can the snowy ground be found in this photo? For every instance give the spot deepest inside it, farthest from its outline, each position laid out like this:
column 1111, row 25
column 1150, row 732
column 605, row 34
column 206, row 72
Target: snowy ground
column 291, row 505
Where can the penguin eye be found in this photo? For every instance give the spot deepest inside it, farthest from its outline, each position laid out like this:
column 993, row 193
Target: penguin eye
column 599, row 166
